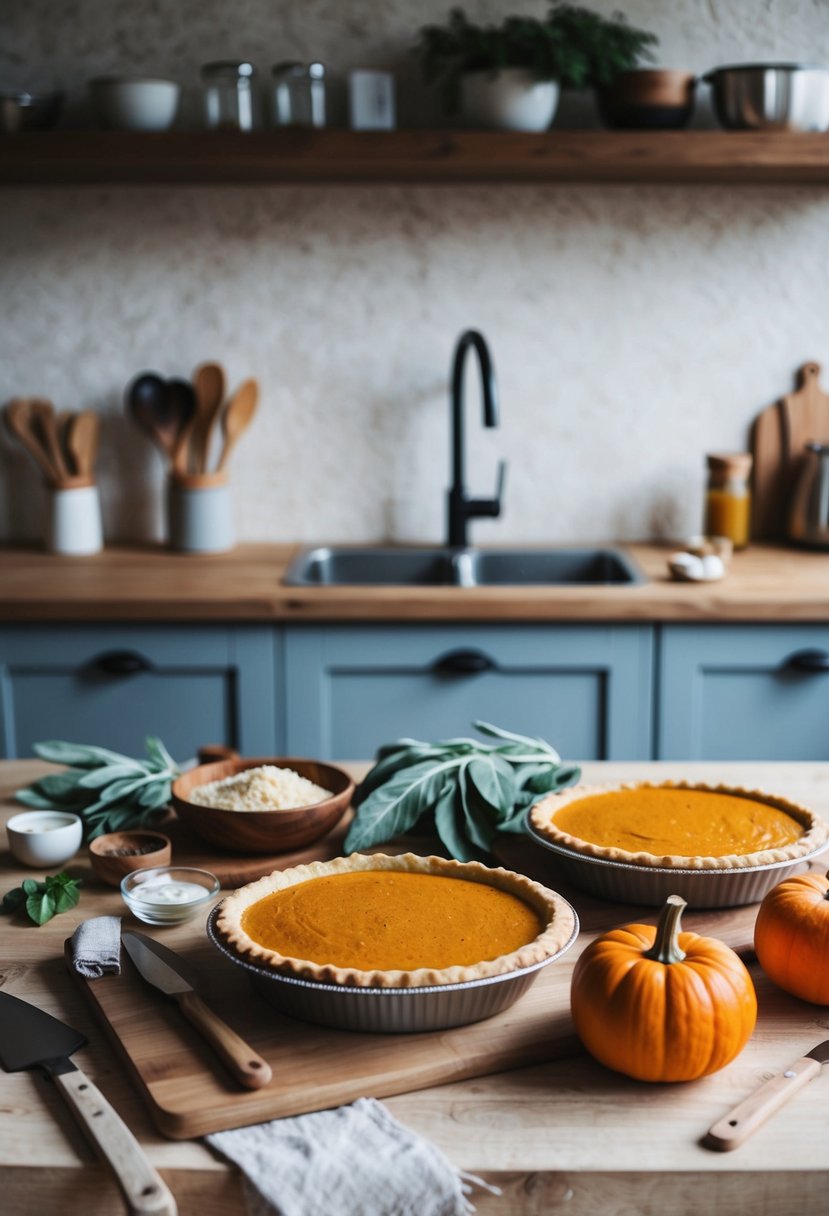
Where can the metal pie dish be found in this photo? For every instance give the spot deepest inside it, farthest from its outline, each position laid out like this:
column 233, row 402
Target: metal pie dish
column 628, row 883
column 389, row 1010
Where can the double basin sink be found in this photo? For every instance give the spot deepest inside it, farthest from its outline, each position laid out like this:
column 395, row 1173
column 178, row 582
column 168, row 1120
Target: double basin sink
column 442, row 567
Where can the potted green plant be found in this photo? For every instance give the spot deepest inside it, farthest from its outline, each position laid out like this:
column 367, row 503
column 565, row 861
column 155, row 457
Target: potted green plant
column 509, row 75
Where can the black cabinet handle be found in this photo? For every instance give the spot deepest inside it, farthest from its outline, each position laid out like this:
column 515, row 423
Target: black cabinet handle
column 120, row 663
column 464, row 663
column 808, row 661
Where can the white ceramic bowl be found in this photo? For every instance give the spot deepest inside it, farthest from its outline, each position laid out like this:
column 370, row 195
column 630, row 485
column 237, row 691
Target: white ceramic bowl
column 127, row 104
column 44, row 838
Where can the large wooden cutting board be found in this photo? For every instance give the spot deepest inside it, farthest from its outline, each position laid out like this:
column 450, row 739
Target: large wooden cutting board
column 189, row 1094
column 779, row 436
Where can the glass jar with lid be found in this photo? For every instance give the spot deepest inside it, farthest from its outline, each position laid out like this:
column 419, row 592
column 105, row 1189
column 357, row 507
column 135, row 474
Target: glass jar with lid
column 229, row 99
column 728, row 497
column 298, row 94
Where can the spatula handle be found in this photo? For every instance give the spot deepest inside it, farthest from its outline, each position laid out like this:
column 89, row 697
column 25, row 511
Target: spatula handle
column 245, row 1064
column 735, row 1127
column 144, row 1190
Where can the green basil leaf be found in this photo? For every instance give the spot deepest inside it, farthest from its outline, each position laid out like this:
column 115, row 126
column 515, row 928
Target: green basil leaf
column 40, row 908
column 31, row 886
column 81, row 755
column 395, row 807
column 13, row 899
column 67, row 897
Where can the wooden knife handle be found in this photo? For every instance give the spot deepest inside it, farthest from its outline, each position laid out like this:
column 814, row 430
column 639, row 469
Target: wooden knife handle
column 735, row 1127
column 144, row 1190
column 247, row 1067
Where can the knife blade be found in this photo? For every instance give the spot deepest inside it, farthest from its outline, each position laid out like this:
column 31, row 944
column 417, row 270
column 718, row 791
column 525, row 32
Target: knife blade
column 31, row 1038
column 172, row 975
column 736, row 1127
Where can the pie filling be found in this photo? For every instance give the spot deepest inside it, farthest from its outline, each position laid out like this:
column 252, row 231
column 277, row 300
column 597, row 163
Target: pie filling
column 678, row 821
column 391, row 920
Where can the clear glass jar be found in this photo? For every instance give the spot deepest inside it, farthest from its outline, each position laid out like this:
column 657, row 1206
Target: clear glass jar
column 728, row 497
column 298, row 94
column 229, row 99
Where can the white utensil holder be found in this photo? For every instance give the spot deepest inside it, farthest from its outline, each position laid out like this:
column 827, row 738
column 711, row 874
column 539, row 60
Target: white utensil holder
column 74, row 523
column 200, row 513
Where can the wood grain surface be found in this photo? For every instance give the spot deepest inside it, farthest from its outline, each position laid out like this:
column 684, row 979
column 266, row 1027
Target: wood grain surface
column 150, row 583
column 564, row 1136
column 742, row 157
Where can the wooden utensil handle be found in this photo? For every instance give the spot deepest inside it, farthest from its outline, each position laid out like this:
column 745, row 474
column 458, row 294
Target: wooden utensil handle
column 247, row 1067
column 144, row 1190
column 735, row 1127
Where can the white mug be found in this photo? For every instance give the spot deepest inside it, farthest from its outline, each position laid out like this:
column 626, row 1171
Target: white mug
column 200, row 513
column 75, row 521
column 371, row 101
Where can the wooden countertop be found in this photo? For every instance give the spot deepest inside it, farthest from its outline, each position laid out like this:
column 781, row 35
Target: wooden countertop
column 764, row 583
column 565, row 1133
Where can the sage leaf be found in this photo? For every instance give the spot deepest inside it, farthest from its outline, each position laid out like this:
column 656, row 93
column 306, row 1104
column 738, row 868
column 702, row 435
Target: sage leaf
column 480, row 827
column 79, row 755
column 494, row 780
column 159, row 756
column 449, row 823
column 395, row 807
column 97, row 778
column 29, row 796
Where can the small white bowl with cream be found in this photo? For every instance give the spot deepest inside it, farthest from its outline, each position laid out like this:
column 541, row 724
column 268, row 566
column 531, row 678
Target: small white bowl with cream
column 167, row 895
column 44, row 838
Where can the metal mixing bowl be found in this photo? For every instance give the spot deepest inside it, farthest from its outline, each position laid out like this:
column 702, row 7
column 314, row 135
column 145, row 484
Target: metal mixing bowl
column 29, row 111
column 771, row 96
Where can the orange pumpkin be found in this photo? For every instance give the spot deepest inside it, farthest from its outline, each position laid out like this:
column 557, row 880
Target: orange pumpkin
column 660, row 1005
column 791, row 936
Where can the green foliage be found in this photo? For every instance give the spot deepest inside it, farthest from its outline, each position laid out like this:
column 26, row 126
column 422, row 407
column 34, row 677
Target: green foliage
column 108, row 791
column 469, row 790
column 573, row 45
column 43, row 900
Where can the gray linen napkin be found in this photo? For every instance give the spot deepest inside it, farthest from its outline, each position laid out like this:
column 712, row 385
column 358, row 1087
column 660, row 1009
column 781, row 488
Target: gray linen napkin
column 96, row 947
column 356, row 1160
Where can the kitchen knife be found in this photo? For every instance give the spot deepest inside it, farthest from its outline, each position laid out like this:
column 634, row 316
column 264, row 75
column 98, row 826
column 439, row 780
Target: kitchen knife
column 30, row 1038
column 735, row 1127
column 169, row 972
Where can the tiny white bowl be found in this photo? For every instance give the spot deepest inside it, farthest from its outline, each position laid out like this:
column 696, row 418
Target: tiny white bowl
column 44, row 838
column 127, row 104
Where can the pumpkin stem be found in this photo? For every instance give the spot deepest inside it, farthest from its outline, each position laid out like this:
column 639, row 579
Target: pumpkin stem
column 665, row 948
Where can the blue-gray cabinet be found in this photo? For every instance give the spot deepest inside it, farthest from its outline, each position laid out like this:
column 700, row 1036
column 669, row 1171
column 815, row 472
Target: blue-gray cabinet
column 115, row 684
column 587, row 689
column 743, row 692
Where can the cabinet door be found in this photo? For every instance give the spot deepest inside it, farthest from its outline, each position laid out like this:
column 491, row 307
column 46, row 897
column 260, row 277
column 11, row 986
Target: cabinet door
column 114, row 685
column 744, row 692
column 587, row 690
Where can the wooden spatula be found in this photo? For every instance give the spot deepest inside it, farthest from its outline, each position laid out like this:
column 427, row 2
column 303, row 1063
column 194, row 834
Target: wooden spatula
column 237, row 417
column 209, row 384
column 82, row 441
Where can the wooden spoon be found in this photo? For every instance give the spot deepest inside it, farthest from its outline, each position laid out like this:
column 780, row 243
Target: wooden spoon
column 237, row 417
column 19, row 420
column 209, row 384
column 161, row 410
column 44, row 423
column 63, row 421
column 82, row 441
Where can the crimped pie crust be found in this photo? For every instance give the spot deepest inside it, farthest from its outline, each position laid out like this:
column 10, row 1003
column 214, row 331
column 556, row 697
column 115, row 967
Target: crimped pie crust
column 555, row 912
column 815, row 829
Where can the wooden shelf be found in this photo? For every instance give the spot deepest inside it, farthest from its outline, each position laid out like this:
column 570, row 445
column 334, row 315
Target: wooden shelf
column 91, row 157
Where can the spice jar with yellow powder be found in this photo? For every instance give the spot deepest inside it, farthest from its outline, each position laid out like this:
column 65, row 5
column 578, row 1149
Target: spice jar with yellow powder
column 728, row 497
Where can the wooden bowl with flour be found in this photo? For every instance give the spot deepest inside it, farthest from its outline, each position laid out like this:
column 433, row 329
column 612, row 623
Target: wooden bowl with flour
column 256, row 828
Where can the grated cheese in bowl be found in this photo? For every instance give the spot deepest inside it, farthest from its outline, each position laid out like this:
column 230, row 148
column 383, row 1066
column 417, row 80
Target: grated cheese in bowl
column 266, row 788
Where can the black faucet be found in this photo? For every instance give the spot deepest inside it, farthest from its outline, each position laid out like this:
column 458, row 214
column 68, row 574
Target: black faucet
column 460, row 508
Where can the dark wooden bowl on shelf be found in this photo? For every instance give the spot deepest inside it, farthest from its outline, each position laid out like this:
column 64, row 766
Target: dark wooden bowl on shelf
column 266, row 831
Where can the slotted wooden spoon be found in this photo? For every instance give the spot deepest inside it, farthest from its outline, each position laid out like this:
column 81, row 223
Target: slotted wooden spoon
column 237, row 417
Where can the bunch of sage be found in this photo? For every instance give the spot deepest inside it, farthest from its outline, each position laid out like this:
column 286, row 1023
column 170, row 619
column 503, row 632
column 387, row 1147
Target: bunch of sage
column 467, row 790
column 109, row 792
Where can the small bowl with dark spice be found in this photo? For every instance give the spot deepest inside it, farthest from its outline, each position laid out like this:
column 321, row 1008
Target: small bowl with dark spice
column 119, row 853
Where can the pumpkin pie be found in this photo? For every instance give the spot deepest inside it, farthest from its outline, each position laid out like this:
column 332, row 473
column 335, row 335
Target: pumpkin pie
column 406, row 921
column 679, row 825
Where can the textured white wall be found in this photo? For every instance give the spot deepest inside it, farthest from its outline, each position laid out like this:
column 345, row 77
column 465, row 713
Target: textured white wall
column 633, row 329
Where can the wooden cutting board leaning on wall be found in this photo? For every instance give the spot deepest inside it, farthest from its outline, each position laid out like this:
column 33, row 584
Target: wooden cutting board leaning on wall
column 779, row 436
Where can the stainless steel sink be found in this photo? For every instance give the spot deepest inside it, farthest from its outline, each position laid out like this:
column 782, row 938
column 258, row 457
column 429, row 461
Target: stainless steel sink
column 440, row 567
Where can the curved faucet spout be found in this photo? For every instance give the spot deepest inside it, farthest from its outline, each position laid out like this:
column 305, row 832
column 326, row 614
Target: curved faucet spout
column 461, row 508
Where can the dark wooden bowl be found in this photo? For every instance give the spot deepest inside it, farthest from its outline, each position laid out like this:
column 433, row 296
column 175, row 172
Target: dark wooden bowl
column 264, row 831
column 111, row 864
